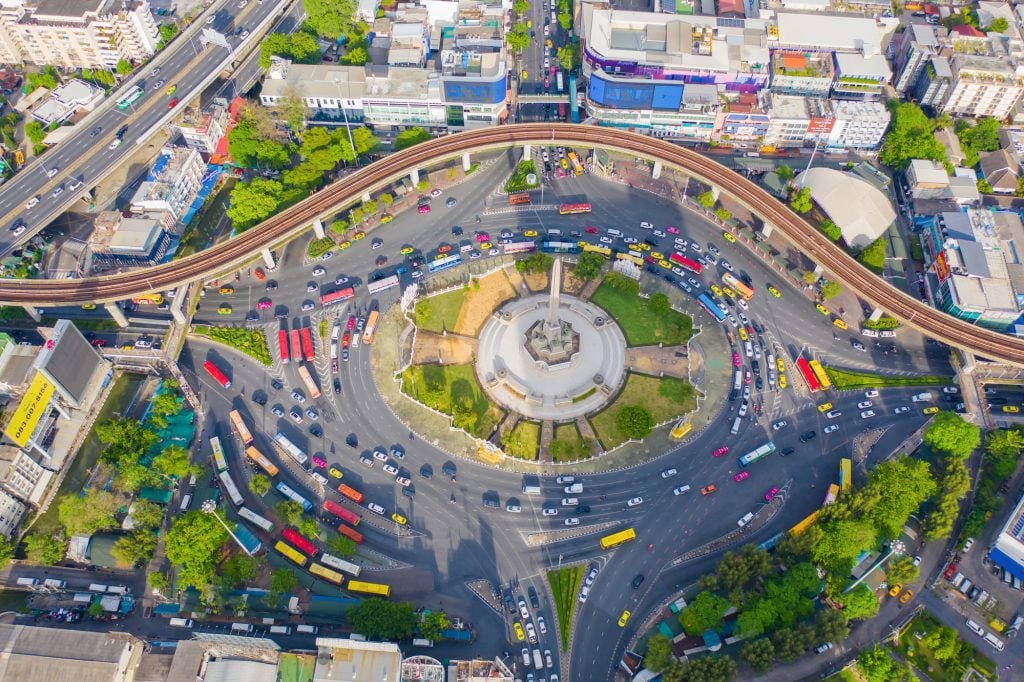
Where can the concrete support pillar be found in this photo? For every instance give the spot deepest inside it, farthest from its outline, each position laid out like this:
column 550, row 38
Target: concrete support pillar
column 466, row 162
column 715, row 192
column 876, row 314
column 268, row 258
column 527, row 151
column 366, row 197
column 968, row 362
column 116, row 313
column 818, row 270
column 178, row 315
column 767, row 229
column 414, row 176
column 33, row 312
column 656, row 171
column 318, row 228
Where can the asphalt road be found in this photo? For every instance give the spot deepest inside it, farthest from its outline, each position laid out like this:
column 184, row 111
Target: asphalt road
column 86, row 154
column 454, row 543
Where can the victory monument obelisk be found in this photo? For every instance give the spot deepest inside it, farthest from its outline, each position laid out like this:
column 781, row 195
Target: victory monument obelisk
column 552, row 341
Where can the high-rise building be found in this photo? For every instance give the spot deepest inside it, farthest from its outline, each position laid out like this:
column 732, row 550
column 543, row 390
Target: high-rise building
column 983, row 86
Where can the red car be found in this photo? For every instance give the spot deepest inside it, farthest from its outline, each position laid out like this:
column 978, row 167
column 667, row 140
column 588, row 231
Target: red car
column 746, row 377
column 591, row 230
column 351, row 324
column 736, row 359
column 741, row 476
column 950, row 572
column 173, row 103
column 444, row 248
column 721, row 451
column 98, row 343
column 482, row 237
column 768, row 496
column 423, row 208
column 263, row 304
column 346, row 339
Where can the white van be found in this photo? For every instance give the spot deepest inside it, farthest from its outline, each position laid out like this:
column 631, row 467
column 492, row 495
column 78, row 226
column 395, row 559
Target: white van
column 241, row 627
column 423, row 642
column 55, row 584
column 736, row 426
column 996, row 643
column 554, row 233
column 27, row 582
column 747, row 518
column 356, row 637
column 280, row 630
column 922, row 397
column 975, row 628
column 307, row 629
column 186, row 501
column 181, row 623
column 574, row 489
column 570, row 501
column 613, row 233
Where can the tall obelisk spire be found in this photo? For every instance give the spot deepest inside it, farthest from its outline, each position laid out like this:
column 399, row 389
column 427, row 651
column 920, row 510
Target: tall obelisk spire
column 556, row 287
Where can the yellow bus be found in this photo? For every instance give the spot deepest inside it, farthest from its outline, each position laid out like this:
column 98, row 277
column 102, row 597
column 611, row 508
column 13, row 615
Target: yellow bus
column 806, row 523
column 634, row 259
column 596, row 248
column 616, row 539
column 845, row 474
column 291, row 553
column 327, row 574
column 819, row 374
column 577, row 167
column 369, row 588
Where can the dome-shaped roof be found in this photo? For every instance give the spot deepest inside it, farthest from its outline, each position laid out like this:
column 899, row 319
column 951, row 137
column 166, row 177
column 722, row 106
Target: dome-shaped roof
column 860, row 210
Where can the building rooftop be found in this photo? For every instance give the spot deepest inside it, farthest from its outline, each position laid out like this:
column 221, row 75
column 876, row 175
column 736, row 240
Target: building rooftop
column 355, row 82
column 863, row 66
column 35, row 654
column 830, row 32
column 793, row 107
column 66, row 10
column 929, row 172
column 862, row 212
column 136, row 236
column 346, row 660
column 855, row 109
column 232, row 670
column 478, row 671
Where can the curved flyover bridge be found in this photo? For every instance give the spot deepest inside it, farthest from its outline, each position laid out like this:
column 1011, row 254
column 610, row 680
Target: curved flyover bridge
column 295, row 220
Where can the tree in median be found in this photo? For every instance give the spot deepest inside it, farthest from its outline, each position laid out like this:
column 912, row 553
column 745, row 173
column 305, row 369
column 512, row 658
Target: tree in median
column 259, row 485
column 706, row 199
column 759, row 654
column 193, row 544
column 588, row 265
column 951, row 434
column 290, row 511
column 659, row 653
column 635, row 421
column 378, row 619
column 309, row 527
column 704, row 613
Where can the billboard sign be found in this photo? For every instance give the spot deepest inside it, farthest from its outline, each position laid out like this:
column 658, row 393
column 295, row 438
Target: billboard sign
column 941, row 266
column 30, row 410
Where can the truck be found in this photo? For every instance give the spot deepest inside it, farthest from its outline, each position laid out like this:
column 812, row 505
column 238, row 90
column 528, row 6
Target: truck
column 538, row 660
column 457, row 635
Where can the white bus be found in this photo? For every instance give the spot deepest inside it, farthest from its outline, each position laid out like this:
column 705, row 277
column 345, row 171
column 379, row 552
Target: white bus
column 255, row 519
column 230, row 489
column 290, row 448
column 340, row 564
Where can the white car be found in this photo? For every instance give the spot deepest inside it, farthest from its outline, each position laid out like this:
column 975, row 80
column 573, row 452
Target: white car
column 917, row 560
column 901, row 409
column 523, row 611
column 864, row 404
column 680, row 490
column 547, row 63
column 646, row 226
column 565, row 480
column 668, row 473
column 312, row 413
column 403, row 481
column 311, row 287
column 75, row 184
column 572, row 521
column 951, row 390
column 659, row 233
column 544, row 155
column 436, row 193
column 32, row 202
column 19, row 230
column 380, row 454
column 541, row 625
column 318, row 271
column 630, row 240
column 584, row 591
column 833, row 414
column 967, row 545
column 636, row 501
column 391, row 469
column 115, row 144
column 867, row 414
column 531, row 632
column 744, row 319
column 781, row 424
column 53, row 171
column 606, row 240
column 693, row 283
column 57, row 191
column 742, row 303
column 871, row 393
column 725, row 265
column 549, row 511
column 733, row 322
column 244, row 35
column 376, row 508
column 831, row 428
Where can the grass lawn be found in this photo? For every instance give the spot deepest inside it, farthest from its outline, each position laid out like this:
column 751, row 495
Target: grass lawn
column 523, row 441
column 640, row 325
column 441, row 312
column 920, row 655
column 665, row 397
column 568, row 446
column 844, row 379
column 453, row 390
column 252, row 342
column 565, row 586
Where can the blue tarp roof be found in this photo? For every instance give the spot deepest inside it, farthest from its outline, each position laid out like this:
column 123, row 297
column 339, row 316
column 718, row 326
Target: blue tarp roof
column 1000, row 558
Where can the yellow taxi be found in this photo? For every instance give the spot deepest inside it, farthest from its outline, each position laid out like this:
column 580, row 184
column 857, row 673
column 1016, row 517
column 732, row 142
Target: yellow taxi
column 226, row 291
column 895, row 589
column 171, row 90
column 358, row 235
column 520, row 635
column 774, row 292
column 88, row 306
column 930, row 410
column 344, row 245
column 665, row 264
column 780, row 365
column 824, row 407
column 782, row 381
column 335, row 472
column 821, row 309
column 1011, row 409
column 406, row 250
column 657, row 255
column 729, row 237
column 565, row 164
column 841, row 324
column 485, row 246
column 728, row 292
column 641, row 247
column 525, row 74
column 907, row 596
column 743, row 334
column 530, row 233
column 386, row 218
column 624, row 618
column 399, row 519
column 717, row 290
column 224, row 309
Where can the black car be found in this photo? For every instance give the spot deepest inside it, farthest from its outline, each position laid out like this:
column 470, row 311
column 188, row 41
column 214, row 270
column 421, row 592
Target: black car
column 448, row 469
column 259, row 398
column 95, row 131
column 807, row 436
column 409, row 491
column 351, row 440
column 786, row 451
column 534, row 601
column 638, row 580
column 427, row 471
column 276, row 383
column 122, row 131
column 582, row 509
column 509, row 604
column 759, row 382
column 337, row 385
column 316, row 431
column 271, row 285
column 456, row 230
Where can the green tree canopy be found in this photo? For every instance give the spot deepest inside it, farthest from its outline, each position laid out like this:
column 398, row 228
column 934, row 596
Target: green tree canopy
column 331, row 18
column 308, row 527
column 568, row 57
column 365, row 141
column 659, row 303
column 873, row 255
column 125, row 439
column 860, row 603
column 147, row 515
column 250, row 142
column 290, row 511
column 830, row 626
column 193, row 544
column 283, row 580
column 910, row 137
column 951, row 434
column 94, row 511
column 830, row 289
column 659, row 652
column 518, row 38
column 703, row 613
column 830, row 230
column 341, row 546
column 378, row 619
column 259, row 485
column 785, row 172
column 45, row 550
column 759, row 654
column 998, row 25
column 801, row 201
column 253, row 202
column 173, row 462
column 238, row 570
column 123, row 67
column 409, row 137
column 158, row 581
column 434, row 624
column 901, row 570
column 588, row 265
column 135, row 548
column 635, row 421
column 706, row 199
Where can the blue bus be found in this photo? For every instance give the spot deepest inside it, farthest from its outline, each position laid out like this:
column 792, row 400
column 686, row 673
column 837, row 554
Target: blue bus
column 444, row 263
column 709, row 305
column 292, row 495
column 553, row 246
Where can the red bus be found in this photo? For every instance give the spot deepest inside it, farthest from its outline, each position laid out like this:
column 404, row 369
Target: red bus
column 581, row 207
column 300, row 543
column 684, row 262
column 282, row 341
column 561, row 105
column 520, row 198
column 341, row 512
column 351, row 493
column 808, row 374
column 217, row 374
column 351, row 533
column 307, row 344
column 296, row 347
column 340, row 295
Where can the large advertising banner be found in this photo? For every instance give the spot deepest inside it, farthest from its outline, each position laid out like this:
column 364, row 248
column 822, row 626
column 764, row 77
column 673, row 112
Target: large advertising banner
column 30, row 410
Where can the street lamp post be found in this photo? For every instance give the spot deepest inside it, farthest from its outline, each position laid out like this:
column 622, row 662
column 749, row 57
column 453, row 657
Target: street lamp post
column 210, row 507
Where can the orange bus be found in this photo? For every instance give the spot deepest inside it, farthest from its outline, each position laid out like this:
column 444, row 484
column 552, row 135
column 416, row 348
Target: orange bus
column 371, row 327
column 351, row 493
column 519, row 198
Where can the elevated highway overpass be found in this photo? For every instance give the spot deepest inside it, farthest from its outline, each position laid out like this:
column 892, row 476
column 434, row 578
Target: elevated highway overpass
column 292, row 222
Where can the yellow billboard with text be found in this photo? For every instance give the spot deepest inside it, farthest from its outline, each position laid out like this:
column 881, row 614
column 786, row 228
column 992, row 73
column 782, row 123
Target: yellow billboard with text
column 30, row 410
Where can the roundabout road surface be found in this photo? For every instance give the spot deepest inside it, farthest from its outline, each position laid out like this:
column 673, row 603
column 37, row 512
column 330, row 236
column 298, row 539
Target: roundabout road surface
column 454, row 543
column 296, row 219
